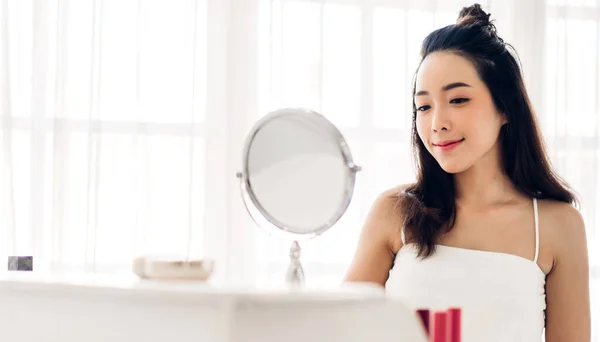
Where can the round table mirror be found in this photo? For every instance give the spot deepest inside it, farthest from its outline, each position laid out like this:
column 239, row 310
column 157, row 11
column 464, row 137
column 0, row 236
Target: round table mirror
column 297, row 178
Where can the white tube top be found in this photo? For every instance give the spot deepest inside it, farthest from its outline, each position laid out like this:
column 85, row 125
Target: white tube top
column 502, row 296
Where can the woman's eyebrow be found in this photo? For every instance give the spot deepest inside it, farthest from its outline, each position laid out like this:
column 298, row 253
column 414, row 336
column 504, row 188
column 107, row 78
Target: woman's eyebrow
column 444, row 88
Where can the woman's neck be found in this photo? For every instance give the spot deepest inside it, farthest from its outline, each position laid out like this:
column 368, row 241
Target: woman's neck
column 484, row 184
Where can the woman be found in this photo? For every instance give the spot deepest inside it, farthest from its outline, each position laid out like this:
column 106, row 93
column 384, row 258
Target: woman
column 488, row 226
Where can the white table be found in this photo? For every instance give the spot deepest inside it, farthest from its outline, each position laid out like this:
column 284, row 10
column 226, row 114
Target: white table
column 94, row 308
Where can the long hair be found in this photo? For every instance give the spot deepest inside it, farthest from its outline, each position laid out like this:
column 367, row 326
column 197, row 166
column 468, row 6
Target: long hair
column 428, row 206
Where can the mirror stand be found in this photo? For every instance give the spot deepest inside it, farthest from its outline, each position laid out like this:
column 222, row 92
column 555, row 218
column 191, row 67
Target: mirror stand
column 297, row 179
column 295, row 273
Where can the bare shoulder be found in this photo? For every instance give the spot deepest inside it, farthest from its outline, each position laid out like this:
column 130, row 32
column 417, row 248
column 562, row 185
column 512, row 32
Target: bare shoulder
column 386, row 204
column 386, row 216
column 563, row 227
column 568, row 283
column 390, row 196
column 375, row 251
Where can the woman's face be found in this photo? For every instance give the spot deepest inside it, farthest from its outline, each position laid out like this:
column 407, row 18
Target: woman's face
column 457, row 120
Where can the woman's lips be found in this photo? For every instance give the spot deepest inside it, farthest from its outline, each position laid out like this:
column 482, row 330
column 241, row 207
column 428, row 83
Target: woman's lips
column 448, row 144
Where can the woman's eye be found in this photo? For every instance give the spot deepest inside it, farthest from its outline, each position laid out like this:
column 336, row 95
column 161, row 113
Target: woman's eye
column 459, row 100
column 423, row 108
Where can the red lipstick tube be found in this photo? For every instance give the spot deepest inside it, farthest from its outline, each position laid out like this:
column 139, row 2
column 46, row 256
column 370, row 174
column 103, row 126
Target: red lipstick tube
column 453, row 325
column 438, row 327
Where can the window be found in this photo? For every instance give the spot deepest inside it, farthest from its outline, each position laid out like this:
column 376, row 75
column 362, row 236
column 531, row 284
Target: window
column 103, row 137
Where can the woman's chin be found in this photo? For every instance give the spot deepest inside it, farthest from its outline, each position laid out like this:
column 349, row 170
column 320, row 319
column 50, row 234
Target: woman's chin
column 453, row 167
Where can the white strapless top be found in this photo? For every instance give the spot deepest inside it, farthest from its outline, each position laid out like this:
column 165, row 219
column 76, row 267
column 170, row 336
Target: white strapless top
column 502, row 295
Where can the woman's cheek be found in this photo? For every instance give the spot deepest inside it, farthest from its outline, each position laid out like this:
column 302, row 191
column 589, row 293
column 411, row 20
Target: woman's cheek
column 422, row 129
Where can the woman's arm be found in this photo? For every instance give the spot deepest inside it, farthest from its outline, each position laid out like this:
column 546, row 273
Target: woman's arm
column 567, row 285
column 374, row 255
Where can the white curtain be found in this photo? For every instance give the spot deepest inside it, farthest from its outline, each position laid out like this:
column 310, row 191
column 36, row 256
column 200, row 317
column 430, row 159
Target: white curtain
column 123, row 120
column 104, row 130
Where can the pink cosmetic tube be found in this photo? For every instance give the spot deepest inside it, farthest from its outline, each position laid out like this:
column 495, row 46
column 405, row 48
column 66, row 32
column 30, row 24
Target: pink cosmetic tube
column 453, row 325
column 438, row 324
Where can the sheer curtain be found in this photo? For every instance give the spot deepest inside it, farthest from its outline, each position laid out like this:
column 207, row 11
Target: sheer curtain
column 104, row 130
column 123, row 121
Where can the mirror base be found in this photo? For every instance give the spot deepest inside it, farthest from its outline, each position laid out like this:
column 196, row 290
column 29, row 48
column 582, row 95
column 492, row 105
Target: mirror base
column 295, row 273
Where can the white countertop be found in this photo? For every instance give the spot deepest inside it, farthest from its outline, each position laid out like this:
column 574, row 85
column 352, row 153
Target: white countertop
column 69, row 307
column 118, row 285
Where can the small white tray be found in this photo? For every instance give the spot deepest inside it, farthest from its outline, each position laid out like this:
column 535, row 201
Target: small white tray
column 170, row 269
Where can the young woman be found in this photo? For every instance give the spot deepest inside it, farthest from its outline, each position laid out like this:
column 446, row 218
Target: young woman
column 488, row 226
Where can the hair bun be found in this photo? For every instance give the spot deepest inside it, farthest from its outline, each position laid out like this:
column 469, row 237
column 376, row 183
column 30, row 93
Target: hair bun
column 476, row 16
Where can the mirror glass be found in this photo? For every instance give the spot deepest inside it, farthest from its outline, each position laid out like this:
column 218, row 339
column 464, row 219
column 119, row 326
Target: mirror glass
column 298, row 174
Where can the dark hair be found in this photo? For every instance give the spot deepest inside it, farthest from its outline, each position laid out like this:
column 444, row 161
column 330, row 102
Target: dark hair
column 428, row 206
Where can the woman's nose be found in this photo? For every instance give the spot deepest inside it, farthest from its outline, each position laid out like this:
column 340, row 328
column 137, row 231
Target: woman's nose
column 440, row 120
